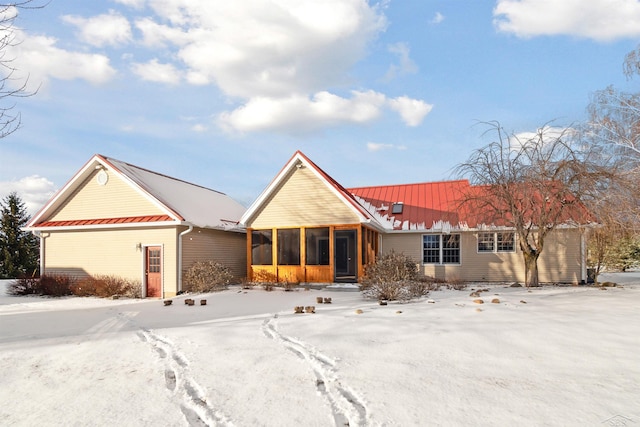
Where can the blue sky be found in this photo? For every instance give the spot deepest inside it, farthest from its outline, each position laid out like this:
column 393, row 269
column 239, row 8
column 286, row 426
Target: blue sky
column 222, row 93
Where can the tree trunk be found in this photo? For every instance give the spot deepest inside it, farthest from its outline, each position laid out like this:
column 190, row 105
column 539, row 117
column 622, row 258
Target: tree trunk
column 531, row 269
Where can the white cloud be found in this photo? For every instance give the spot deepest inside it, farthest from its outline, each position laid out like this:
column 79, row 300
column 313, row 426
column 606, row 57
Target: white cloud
column 275, row 58
column 268, row 49
column 406, row 66
column 199, row 128
column 300, row 113
column 374, row 146
column 412, row 111
column 155, row 35
column 601, row 20
column 33, row 190
column 39, row 58
column 437, row 18
column 153, row 71
column 548, row 134
column 110, row 29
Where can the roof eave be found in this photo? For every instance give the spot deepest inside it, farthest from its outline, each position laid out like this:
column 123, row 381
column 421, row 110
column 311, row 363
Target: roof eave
column 103, row 226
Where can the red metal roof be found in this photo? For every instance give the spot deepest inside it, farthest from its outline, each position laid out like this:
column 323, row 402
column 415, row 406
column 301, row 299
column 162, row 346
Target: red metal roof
column 429, row 203
column 423, row 203
column 105, row 221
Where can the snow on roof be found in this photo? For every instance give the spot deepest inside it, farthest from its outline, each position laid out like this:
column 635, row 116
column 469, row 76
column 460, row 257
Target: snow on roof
column 200, row 206
column 182, row 201
column 438, row 206
column 425, row 206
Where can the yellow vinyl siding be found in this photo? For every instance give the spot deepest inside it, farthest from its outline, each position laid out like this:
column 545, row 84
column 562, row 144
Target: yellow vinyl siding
column 490, row 266
column 115, row 199
column 225, row 247
column 560, row 261
column 564, row 263
column 302, row 200
column 112, row 252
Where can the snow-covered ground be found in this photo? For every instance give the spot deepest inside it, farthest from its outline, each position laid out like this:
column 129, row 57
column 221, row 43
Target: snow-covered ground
column 565, row 356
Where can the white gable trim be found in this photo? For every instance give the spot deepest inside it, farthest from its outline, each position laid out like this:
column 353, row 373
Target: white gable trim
column 174, row 215
column 95, row 162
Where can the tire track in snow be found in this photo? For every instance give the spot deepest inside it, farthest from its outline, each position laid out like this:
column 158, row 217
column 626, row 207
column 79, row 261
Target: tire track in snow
column 111, row 325
column 194, row 406
column 347, row 409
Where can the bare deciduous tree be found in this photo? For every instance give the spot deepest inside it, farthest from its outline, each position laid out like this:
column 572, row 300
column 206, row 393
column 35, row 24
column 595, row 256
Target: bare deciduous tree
column 614, row 129
column 618, row 210
column 10, row 88
column 614, row 116
column 532, row 184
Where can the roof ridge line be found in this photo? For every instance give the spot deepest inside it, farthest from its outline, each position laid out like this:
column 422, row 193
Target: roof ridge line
column 110, row 159
column 411, row 183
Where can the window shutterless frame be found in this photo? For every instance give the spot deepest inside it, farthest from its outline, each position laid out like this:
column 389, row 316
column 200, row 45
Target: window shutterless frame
column 496, row 242
column 441, row 248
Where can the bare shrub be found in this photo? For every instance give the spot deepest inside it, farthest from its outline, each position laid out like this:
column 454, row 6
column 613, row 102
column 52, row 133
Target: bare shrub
column 289, row 286
column 393, row 277
column 421, row 287
column 133, row 289
column 107, row 286
column 25, row 286
column 56, row 285
column 265, row 279
column 207, row 276
column 456, row 284
column 85, row 287
column 246, row 283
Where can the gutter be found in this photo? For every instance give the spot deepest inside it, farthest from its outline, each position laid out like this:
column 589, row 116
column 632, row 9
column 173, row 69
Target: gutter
column 180, row 236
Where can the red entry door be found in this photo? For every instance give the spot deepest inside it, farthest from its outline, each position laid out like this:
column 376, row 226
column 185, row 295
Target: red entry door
column 153, row 271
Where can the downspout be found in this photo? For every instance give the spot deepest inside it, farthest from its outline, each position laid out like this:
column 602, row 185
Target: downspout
column 180, row 236
column 583, row 256
column 41, row 238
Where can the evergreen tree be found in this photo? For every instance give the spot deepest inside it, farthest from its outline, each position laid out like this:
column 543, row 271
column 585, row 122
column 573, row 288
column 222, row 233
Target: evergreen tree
column 19, row 249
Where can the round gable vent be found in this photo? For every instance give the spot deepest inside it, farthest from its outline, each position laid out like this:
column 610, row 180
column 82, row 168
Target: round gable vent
column 102, row 177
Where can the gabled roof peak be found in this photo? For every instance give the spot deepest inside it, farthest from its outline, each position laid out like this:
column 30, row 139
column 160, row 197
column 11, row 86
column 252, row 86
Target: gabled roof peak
column 182, row 201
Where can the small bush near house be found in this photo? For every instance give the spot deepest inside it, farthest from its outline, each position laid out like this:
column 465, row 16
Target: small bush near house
column 107, row 286
column 207, row 276
column 289, row 283
column 57, row 285
column 456, row 284
column 394, row 277
column 265, row 279
column 54, row 285
column 25, row 286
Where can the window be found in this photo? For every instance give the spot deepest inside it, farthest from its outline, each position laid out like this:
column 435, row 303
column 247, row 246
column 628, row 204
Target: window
column 317, row 246
column 441, row 249
column 154, row 261
column 506, row 241
column 261, row 247
column 451, row 249
column 289, row 246
column 485, row 242
column 396, row 208
column 501, row 241
column 431, row 249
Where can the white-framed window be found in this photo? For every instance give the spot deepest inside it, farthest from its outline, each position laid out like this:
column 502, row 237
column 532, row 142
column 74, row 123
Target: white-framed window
column 486, row 242
column 441, row 249
column 498, row 241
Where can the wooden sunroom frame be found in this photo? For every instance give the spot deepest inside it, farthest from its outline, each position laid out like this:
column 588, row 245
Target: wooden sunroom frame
column 367, row 246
